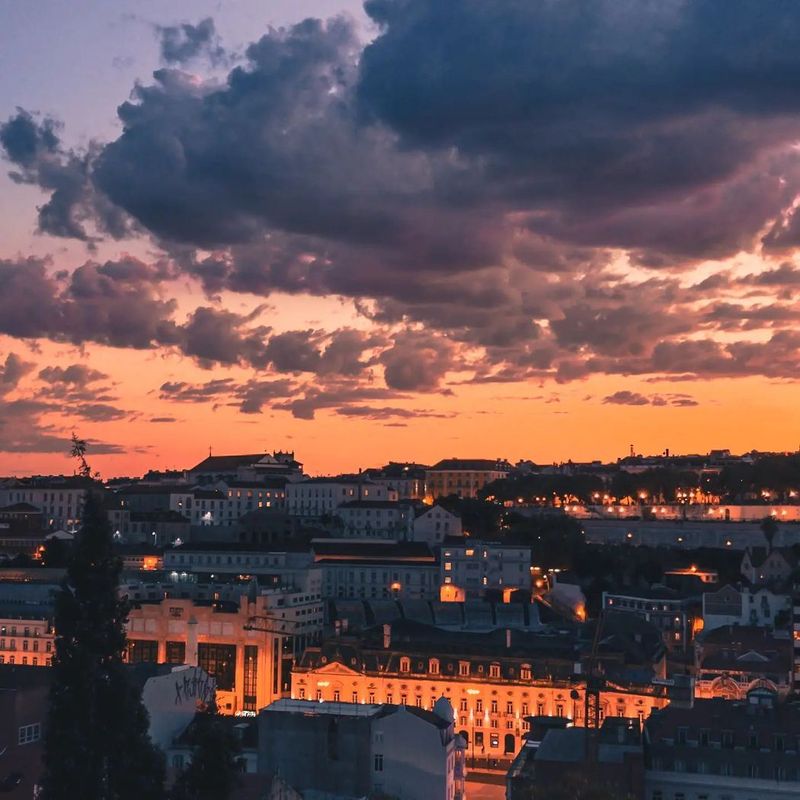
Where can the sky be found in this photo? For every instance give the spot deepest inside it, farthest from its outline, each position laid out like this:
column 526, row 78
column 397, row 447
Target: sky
column 402, row 230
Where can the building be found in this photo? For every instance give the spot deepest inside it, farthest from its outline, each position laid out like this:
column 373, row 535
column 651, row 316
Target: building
column 320, row 497
column 761, row 566
column 247, row 645
column 24, row 695
column 354, row 750
column 494, row 680
column 745, row 605
column 722, row 750
column 246, row 467
column 219, row 561
column 378, row 519
column 60, row 499
column 676, row 616
column 733, row 660
column 26, row 641
column 563, row 758
column 407, row 479
column 622, row 527
column 434, row 524
column 374, row 570
column 481, row 567
column 464, row 477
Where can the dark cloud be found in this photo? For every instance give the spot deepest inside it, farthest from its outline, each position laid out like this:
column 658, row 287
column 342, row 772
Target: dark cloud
column 78, row 374
column 196, row 393
column 97, row 412
column 416, row 361
column 34, row 149
column 389, row 412
column 12, row 371
column 182, row 43
column 24, row 430
column 474, row 179
column 625, row 397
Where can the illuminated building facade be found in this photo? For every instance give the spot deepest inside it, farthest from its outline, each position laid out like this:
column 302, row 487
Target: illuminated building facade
column 493, row 681
column 464, row 477
column 27, row 642
column 247, row 645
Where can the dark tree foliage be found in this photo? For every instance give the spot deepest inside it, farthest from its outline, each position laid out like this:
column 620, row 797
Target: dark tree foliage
column 213, row 773
column 96, row 741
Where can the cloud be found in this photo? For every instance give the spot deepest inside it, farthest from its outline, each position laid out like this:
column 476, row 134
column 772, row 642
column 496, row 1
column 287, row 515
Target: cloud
column 512, row 191
column 185, row 42
column 390, row 412
column 75, row 374
column 12, row 371
column 625, row 397
column 34, row 149
column 417, row 361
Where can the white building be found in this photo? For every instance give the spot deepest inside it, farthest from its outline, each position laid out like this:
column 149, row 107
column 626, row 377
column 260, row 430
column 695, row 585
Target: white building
column 743, row 606
column 363, row 749
column 318, row 497
column 60, row 499
column 280, row 568
column 376, row 570
column 376, row 519
column 478, row 567
column 432, row 525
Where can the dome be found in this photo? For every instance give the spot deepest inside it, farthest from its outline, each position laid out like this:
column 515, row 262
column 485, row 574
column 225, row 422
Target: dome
column 443, row 709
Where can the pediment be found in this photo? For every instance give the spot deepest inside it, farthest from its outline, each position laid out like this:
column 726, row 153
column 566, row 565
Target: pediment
column 335, row 668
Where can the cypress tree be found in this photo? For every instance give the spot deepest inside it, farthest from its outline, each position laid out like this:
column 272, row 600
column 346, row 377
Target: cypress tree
column 96, row 743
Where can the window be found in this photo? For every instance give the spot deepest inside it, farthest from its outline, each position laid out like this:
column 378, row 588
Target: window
column 29, row 733
column 219, row 661
column 494, row 706
column 479, row 706
column 433, row 666
column 177, row 762
column 142, row 651
column 405, row 664
column 525, row 672
column 176, row 653
column 378, row 762
column 494, row 671
column 250, row 677
column 463, row 668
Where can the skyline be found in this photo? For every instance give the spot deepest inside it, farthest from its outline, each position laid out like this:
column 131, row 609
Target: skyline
column 350, row 236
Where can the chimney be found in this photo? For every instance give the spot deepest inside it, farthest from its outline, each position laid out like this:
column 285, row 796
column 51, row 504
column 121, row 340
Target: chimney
column 387, row 636
column 191, row 642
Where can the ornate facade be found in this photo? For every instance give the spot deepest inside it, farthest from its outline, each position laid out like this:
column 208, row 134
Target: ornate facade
column 493, row 684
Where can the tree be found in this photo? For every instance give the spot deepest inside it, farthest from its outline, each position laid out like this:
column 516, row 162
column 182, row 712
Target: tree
column 213, row 772
column 769, row 527
column 96, row 742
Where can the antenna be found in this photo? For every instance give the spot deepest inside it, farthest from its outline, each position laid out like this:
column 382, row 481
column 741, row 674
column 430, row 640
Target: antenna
column 632, row 453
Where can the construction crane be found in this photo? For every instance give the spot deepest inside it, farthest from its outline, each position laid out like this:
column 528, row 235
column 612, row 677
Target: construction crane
column 595, row 684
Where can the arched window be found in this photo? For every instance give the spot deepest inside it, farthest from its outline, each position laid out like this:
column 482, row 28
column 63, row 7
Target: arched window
column 405, row 664
column 433, row 666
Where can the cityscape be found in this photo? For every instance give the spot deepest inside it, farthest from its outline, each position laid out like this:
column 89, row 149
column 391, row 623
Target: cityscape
column 469, row 628
column 399, row 400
